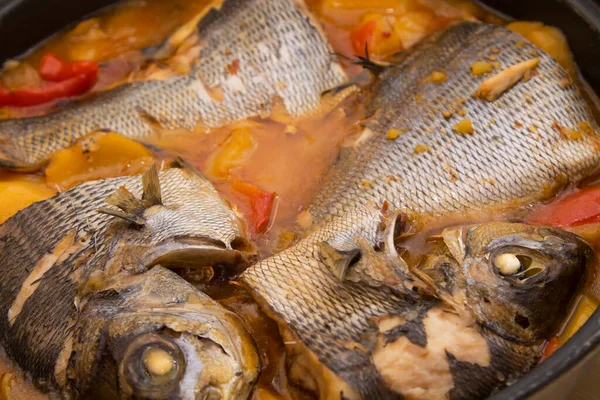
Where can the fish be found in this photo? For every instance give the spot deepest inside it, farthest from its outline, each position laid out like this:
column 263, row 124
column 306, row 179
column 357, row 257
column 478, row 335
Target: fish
column 356, row 340
column 91, row 304
column 253, row 54
column 537, row 137
column 431, row 148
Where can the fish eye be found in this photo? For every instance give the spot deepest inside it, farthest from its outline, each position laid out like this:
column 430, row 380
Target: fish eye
column 517, row 265
column 153, row 365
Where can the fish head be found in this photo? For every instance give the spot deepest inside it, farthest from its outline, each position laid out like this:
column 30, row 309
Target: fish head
column 156, row 336
column 515, row 279
column 185, row 226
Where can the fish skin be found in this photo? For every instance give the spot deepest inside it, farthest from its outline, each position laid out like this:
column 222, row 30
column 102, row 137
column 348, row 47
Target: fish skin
column 88, row 255
column 298, row 284
column 333, row 317
column 463, row 172
column 281, row 52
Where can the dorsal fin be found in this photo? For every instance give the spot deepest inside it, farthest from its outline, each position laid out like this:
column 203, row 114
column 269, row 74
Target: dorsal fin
column 126, row 201
column 151, row 186
column 131, row 208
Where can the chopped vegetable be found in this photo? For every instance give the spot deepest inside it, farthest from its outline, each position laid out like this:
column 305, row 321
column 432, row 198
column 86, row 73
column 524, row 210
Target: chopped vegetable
column 549, row 39
column 54, row 69
column 67, row 79
column 495, row 86
column 232, row 153
column 481, row 67
column 362, row 36
column 97, row 157
column 579, row 208
column 260, row 202
column 550, row 348
column 464, row 127
column 19, row 191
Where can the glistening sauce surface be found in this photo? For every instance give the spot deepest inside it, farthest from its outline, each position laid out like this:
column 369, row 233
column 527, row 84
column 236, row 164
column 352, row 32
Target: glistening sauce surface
column 277, row 155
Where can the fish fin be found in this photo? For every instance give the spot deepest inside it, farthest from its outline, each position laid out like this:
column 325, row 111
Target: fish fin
column 338, row 261
column 151, row 187
column 135, row 219
column 126, row 201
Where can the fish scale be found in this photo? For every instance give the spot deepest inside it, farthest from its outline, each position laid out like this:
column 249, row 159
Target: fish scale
column 375, row 169
column 105, row 248
column 493, row 154
column 281, row 51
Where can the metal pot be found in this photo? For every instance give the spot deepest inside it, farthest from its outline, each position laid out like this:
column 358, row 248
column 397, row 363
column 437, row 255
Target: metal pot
column 23, row 23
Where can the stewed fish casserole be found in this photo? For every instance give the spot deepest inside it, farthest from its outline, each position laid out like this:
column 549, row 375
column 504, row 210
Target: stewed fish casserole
column 320, row 199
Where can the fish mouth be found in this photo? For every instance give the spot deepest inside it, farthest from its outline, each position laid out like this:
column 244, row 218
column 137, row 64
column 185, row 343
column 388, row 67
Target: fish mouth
column 199, row 252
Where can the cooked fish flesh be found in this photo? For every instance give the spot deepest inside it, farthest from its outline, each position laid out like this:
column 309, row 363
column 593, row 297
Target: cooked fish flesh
column 348, row 296
column 87, row 305
column 252, row 52
column 536, row 137
column 387, row 344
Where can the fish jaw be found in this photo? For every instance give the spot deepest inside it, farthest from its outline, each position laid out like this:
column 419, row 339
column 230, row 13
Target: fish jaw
column 211, row 350
column 201, row 252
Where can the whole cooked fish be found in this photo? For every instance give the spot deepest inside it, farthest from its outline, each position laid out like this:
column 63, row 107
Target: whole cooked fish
column 87, row 308
column 462, row 143
column 252, row 52
column 479, row 331
column 537, row 136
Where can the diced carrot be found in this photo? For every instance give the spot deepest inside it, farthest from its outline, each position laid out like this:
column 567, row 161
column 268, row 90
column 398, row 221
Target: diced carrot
column 97, row 157
column 260, row 204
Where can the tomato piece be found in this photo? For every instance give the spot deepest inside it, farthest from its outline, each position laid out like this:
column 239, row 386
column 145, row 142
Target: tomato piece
column 54, row 69
column 25, row 97
column 362, row 37
column 578, row 208
column 551, row 346
column 260, row 202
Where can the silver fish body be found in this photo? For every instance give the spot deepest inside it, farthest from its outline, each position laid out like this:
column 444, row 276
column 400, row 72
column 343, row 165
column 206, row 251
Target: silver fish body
column 332, row 289
column 82, row 289
column 516, row 154
column 252, row 52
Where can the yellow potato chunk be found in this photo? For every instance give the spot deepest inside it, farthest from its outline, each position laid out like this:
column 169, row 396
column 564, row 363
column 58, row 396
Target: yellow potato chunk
column 584, row 308
column 18, row 191
column 232, row 153
column 97, row 157
column 413, row 26
column 547, row 38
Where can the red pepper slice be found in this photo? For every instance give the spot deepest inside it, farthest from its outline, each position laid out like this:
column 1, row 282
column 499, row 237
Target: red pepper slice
column 260, row 202
column 25, row 97
column 54, row 69
column 551, row 346
column 578, row 208
column 363, row 35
